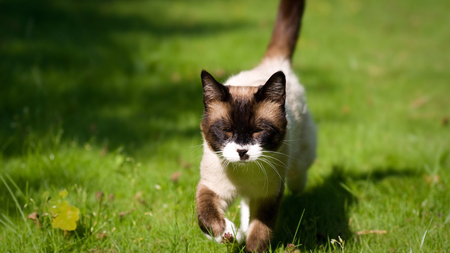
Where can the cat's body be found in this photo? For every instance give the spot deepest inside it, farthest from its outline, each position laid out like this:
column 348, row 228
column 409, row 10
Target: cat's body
column 300, row 135
column 257, row 131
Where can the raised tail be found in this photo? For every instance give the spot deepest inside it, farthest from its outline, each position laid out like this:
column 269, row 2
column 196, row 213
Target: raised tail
column 286, row 29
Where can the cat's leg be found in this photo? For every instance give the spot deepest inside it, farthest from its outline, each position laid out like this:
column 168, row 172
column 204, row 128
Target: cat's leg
column 210, row 210
column 245, row 215
column 301, row 155
column 263, row 217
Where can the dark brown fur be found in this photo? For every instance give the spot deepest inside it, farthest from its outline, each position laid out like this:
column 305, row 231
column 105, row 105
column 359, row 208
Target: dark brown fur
column 286, row 30
column 263, row 214
column 210, row 219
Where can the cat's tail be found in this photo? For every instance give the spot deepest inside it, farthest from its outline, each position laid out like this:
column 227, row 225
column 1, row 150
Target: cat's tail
column 286, row 30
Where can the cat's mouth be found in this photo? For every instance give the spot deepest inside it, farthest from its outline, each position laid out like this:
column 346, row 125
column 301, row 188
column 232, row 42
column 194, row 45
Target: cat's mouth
column 242, row 154
column 241, row 161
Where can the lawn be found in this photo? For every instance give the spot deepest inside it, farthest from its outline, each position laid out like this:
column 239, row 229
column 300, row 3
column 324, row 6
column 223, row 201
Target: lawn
column 102, row 100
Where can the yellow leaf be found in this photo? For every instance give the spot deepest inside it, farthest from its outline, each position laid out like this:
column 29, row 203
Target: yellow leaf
column 66, row 216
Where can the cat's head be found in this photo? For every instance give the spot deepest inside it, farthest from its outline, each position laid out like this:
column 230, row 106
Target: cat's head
column 241, row 122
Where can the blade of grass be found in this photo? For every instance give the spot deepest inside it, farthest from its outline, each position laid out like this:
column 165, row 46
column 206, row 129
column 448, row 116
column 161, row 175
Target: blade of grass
column 19, row 208
column 423, row 240
column 8, row 225
column 298, row 226
column 15, row 185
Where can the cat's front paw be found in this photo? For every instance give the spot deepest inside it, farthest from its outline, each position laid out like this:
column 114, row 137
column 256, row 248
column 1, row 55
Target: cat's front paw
column 231, row 234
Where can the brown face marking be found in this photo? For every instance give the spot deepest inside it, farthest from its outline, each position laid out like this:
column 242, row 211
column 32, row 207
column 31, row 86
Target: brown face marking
column 270, row 110
column 243, row 92
column 210, row 218
column 244, row 115
column 276, row 115
column 218, row 110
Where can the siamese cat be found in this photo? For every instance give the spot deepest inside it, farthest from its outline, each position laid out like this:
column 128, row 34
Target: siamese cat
column 257, row 132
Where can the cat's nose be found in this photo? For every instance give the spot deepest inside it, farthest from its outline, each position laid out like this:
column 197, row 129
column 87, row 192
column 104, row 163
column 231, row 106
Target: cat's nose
column 243, row 154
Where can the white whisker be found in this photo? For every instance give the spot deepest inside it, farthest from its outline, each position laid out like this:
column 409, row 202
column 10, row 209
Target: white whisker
column 276, row 159
column 196, row 146
column 273, row 167
column 266, row 179
column 280, row 153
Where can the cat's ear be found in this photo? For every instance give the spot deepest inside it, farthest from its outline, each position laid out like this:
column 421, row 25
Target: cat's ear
column 213, row 90
column 274, row 89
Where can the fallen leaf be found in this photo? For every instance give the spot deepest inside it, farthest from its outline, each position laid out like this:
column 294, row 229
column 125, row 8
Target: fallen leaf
column 99, row 196
column 101, row 235
column 419, row 102
column 122, row 214
column 143, row 202
column 65, row 216
column 444, row 121
column 138, row 240
column 432, row 179
column 138, row 195
column 175, row 176
column 184, row 164
column 35, row 218
column 346, row 109
column 138, row 198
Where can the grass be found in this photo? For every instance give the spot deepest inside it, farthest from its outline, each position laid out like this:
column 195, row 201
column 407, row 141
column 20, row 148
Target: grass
column 105, row 97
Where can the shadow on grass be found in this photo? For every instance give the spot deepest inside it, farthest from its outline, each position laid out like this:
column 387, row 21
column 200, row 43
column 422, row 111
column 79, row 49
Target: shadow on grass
column 75, row 65
column 325, row 208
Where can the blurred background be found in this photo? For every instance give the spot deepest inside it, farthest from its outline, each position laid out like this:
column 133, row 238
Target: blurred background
column 105, row 96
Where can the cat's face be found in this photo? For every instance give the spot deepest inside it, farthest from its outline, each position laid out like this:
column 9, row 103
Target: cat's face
column 240, row 122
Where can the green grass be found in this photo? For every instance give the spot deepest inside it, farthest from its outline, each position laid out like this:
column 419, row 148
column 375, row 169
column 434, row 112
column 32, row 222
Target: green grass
column 105, row 96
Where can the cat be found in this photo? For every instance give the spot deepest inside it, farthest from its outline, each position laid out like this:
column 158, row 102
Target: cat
column 257, row 131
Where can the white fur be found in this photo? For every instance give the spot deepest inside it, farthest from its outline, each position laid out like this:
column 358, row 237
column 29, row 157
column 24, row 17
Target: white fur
column 230, row 151
column 230, row 228
column 245, row 216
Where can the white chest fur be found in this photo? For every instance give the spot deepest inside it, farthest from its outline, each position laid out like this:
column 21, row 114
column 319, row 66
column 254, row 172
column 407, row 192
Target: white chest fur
column 257, row 179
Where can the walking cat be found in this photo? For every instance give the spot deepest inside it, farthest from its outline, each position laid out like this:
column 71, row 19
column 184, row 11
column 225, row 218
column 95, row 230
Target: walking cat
column 257, row 131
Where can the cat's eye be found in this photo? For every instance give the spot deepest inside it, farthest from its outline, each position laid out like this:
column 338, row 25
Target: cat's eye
column 258, row 130
column 227, row 130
